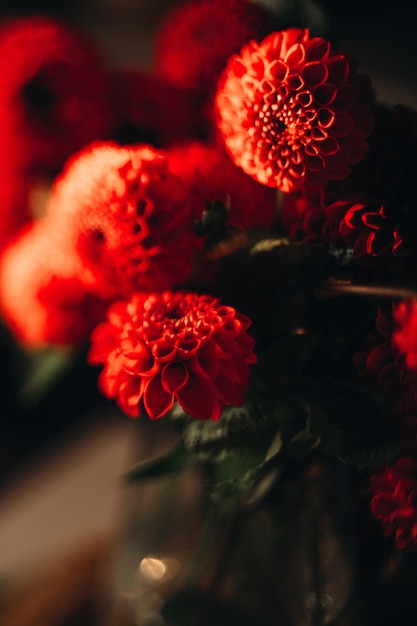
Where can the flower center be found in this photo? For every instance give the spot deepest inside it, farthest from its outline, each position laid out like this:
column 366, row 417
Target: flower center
column 283, row 123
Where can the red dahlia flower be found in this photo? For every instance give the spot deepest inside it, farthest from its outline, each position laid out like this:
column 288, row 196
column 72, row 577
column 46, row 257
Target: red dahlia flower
column 303, row 213
column 381, row 205
column 210, row 175
column 290, row 110
column 394, row 501
column 405, row 335
column 43, row 298
column 378, row 363
column 196, row 38
column 15, row 210
column 129, row 218
column 54, row 89
column 168, row 347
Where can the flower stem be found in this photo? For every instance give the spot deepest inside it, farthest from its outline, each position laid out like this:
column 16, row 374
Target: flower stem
column 336, row 287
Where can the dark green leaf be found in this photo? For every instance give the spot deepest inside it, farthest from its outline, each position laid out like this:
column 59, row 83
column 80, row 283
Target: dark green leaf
column 238, row 427
column 43, row 369
column 302, row 443
column 250, row 486
column 351, row 425
column 171, row 461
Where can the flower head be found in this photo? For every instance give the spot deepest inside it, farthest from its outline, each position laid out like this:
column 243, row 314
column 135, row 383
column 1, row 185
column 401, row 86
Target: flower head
column 381, row 196
column 168, row 347
column 43, row 297
column 15, row 209
column 405, row 334
column 128, row 217
column 378, row 362
column 394, row 501
column 196, row 38
column 290, row 109
column 54, row 89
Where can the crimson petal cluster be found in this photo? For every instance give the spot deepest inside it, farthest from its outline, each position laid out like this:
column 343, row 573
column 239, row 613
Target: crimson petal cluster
column 129, row 218
column 394, row 501
column 173, row 346
column 54, row 90
column 405, row 334
column 290, row 109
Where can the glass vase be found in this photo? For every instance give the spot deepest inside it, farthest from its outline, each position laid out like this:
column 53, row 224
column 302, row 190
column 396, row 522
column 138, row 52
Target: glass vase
column 286, row 555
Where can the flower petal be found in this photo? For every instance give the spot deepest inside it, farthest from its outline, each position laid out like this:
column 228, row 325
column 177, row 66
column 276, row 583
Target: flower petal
column 156, row 400
column 198, row 400
column 174, row 376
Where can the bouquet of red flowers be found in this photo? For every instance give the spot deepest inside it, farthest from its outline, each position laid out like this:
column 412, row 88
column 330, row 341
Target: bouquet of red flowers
column 230, row 237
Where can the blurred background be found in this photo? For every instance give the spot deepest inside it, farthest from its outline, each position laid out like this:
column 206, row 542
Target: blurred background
column 63, row 447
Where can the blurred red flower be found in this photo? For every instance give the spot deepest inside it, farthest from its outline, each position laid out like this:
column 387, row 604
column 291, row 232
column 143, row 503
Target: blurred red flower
column 43, row 297
column 54, row 90
column 196, row 38
column 380, row 218
column 291, row 110
column 405, row 334
column 394, row 501
column 128, row 217
column 378, row 362
column 167, row 347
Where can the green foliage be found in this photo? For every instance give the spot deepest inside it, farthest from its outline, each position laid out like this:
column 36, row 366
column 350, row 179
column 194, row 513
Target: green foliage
column 41, row 370
column 349, row 423
column 171, row 461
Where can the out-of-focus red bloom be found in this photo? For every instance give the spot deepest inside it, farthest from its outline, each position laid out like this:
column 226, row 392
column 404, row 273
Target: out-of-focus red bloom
column 150, row 109
column 291, row 110
column 167, row 347
column 196, row 38
column 405, row 335
column 128, row 217
column 303, row 213
column 210, row 175
column 382, row 368
column 381, row 198
column 43, row 297
column 394, row 501
column 14, row 201
column 54, row 90
column 378, row 363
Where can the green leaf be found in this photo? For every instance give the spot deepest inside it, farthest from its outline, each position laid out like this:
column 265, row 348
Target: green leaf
column 238, row 427
column 248, row 487
column 302, row 443
column 43, row 369
column 351, row 425
column 171, row 461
